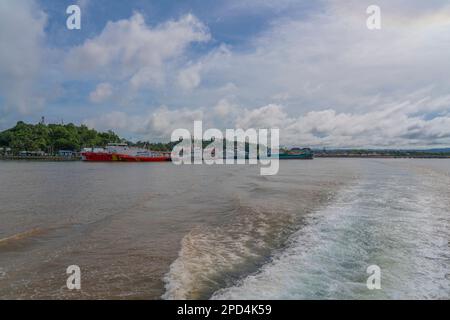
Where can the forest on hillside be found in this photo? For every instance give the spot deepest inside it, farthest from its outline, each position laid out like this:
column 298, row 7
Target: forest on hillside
column 53, row 137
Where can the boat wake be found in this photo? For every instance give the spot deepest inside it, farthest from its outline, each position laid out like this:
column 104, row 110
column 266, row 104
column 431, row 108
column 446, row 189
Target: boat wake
column 213, row 257
column 397, row 223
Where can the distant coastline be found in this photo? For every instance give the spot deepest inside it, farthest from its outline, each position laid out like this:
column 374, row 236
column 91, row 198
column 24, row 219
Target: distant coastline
column 383, row 156
column 369, row 153
column 40, row 158
column 397, row 155
column 59, row 142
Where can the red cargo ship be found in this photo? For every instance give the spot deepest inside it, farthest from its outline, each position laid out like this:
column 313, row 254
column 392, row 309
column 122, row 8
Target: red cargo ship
column 122, row 152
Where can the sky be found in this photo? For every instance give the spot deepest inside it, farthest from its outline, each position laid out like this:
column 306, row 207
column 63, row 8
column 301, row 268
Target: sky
column 310, row 68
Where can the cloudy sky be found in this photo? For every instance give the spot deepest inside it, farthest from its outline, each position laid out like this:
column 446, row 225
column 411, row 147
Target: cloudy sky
column 310, row 68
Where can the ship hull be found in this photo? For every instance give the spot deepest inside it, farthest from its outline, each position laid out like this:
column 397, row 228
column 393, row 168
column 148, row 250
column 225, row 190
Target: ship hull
column 106, row 157
column 296, row 157
column 127, row 158
column 95, row 156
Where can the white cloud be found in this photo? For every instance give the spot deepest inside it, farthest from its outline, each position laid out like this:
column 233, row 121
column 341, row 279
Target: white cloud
column 270, row 116
column 102, row 92
column 329, row 59
column 225, row 109
column 115, row 120
column 322, row 77
column 21, row 41
column 189, row 78
column 130, row 50
column 394, row 124
column 164, row 120
column 157, row 124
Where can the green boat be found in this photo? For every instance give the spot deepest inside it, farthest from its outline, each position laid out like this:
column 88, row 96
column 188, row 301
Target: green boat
column 296, row 153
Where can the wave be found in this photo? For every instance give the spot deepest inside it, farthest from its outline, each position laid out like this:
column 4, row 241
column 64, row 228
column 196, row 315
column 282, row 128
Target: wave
column 294, row 272
column 21, row 236
column 213, row 257
column 399, row 223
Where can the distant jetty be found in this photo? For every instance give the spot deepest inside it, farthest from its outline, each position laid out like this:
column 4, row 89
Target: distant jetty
column 40, row 158
column 415, row 154
column 382, row 156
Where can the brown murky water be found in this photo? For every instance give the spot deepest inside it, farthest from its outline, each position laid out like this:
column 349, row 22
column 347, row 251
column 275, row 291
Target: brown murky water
column 146, row 231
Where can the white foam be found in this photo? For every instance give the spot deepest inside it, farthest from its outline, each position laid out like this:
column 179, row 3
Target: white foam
column 389, row 221
column 209, row 255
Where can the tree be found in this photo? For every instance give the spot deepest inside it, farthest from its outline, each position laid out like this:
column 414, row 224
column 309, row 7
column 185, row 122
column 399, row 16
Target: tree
column 54, row 137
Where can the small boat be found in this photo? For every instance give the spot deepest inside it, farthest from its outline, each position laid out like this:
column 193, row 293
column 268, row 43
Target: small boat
column 123, row 152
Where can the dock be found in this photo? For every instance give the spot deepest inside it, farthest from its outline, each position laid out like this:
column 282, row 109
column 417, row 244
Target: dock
column 39, row 158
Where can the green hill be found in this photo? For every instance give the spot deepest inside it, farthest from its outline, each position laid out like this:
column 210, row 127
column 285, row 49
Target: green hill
column 53, row 137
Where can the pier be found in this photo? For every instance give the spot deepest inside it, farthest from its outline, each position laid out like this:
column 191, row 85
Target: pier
column 40, row 158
